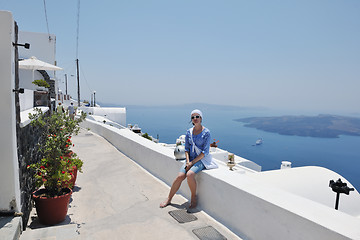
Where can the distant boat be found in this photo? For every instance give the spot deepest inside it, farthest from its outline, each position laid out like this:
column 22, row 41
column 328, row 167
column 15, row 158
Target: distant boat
column 259, row 141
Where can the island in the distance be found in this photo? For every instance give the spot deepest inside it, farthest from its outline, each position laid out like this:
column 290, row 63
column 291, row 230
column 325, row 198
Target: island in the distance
column 324, row 126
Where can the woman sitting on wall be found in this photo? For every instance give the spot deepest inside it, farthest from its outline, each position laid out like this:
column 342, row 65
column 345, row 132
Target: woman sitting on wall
column 197, row 144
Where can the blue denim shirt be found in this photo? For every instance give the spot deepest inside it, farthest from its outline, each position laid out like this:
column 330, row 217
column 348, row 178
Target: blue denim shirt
column 201, row 140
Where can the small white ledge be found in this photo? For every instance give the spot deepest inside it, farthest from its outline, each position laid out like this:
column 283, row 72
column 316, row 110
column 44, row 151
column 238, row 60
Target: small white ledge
column 24, row 115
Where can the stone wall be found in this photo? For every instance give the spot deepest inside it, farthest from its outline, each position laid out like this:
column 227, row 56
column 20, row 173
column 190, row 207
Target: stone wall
column 28, row 139
column 27, row 150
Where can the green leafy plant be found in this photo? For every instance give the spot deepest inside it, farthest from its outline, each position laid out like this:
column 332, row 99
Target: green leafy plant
column 41, row 83
column 146, row 135
column 58, row 161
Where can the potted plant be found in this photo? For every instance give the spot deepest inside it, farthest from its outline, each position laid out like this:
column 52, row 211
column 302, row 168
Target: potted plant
column 73, row 165
column 56, row 166
column 214, row 143
column 41, row 83
column 213, row 146
column 231, row 162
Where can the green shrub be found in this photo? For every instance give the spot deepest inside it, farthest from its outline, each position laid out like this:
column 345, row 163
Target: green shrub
column 58, row 160
column 41, row 83
column 146, row 135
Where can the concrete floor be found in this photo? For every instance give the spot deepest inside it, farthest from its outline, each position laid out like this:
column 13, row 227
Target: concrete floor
column 117, row 199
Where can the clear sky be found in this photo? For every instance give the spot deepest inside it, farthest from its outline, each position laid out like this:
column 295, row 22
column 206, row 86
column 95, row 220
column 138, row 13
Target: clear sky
column 289, row 54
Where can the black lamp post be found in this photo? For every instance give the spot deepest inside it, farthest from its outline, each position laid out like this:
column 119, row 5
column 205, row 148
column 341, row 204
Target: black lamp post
column 339, row 187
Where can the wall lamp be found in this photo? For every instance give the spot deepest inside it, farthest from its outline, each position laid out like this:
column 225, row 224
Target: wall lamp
column 26, row 45
column 20, row 90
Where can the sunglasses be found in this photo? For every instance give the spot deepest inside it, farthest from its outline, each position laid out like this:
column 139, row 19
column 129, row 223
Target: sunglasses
column 197, row 116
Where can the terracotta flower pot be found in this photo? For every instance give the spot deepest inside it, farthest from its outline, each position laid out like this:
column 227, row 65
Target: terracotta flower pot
column 72, row 180
column 74, row 176
column 69, row 154
column 74, row 172
column 51, row 210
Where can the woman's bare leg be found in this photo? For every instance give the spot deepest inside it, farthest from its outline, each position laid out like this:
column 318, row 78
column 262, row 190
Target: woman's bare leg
column 192, row 185
column 174, row 188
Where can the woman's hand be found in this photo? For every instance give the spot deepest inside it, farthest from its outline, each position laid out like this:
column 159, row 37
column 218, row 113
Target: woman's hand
column 188, row 166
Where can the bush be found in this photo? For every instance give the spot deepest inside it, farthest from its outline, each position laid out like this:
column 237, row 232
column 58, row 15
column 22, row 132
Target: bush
column 146, row 135
column 41, row 83
column 58, row 160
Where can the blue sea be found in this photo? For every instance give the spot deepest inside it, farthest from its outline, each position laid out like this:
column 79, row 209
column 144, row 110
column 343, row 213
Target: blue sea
column 341, row 155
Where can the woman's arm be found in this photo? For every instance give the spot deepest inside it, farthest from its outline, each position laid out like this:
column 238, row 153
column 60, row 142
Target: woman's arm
column 207, row 140
column 198, row 158
column 190, row 164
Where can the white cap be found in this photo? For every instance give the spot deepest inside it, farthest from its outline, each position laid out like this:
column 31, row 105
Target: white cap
column 196, row 111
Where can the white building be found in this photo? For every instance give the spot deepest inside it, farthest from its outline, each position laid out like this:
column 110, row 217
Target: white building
column 9, row 172
column 17, row 99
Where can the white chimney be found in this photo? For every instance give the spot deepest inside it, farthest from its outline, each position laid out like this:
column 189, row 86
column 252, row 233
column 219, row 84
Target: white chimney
column 285, row 165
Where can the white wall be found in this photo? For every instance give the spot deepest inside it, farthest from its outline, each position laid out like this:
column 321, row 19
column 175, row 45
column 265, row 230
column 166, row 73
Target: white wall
column 40, row 47
column 117, row 115
column 247, row 206
column 26, row 79
column 26, row 99
column 9, row 171
column 43, row 49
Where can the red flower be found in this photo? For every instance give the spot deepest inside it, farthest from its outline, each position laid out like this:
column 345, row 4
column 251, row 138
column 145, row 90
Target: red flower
column 61, row 157
column 66, row 145
column 73, row 145
column 42, row 167
column 63, row 172
column 28, row 166
column 39, row 173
